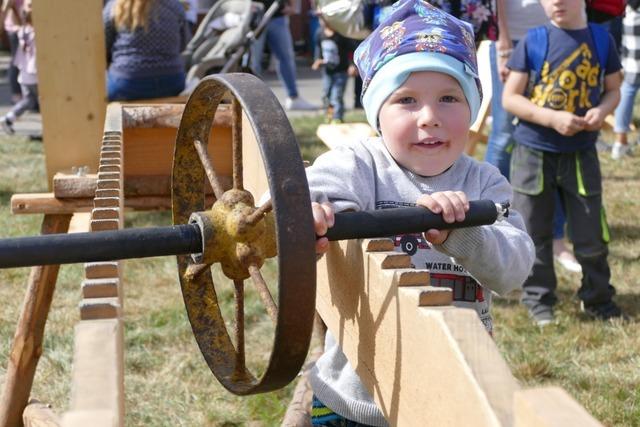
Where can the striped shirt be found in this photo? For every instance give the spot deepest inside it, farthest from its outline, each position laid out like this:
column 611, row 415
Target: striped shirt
column 631, row 46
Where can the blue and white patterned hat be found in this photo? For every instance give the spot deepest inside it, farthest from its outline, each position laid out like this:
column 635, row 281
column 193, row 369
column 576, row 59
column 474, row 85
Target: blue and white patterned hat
column 416, row 36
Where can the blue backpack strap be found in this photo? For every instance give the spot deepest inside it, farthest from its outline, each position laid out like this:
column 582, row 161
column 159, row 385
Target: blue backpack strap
column 600, row 36
column 537, row 45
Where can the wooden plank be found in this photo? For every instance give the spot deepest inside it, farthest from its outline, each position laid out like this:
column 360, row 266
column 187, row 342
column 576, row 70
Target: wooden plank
column 378, row 245
column 80, row 222
column 90, row 418
column 73, row 106
column 98, row 375
column 149, row 151
column 106, row 213
column 38, row 414
column 254, row 175
column 411, row 277
column 165, row 115
column 101, row 288
column 101, row 270
column 550, row 407
column 46, row 203
column 99, row 308
column 334, row 135
column 72, row 185
column 386, row 337
column 26, row 347
column 104, row 224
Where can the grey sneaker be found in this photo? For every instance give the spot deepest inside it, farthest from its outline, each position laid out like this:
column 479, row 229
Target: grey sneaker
column 7, row 125
column 542, row 314
column 606, row 311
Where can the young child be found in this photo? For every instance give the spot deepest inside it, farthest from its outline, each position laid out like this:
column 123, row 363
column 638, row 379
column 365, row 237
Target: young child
column 421, row 92
column 556, row 136
column 332, row 54
column 25, row 61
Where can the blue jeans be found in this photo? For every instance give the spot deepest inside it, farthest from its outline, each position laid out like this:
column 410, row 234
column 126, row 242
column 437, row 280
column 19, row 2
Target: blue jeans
column 278, row 35
column 624, row 110
column 500, row 141
column 123, row 89
column 333, row 91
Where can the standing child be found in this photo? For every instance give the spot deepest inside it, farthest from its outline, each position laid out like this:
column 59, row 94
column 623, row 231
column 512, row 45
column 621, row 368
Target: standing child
column 559, row 123
column 25, row 61
column 332, row 54
column 421, row 93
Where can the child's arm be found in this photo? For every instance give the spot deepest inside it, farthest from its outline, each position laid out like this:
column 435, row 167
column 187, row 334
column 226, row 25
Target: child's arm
column 516, row 103
column 499, row 256
column 595, row 116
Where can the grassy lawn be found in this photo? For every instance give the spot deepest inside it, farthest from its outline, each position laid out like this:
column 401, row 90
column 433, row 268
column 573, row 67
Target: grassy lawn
column 167, row 382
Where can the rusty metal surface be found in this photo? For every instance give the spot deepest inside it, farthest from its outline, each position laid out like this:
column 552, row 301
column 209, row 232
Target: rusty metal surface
column 290, row 222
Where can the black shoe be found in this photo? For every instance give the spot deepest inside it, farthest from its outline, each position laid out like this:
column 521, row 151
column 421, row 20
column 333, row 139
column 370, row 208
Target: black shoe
column 605, row 311
column 541, row 314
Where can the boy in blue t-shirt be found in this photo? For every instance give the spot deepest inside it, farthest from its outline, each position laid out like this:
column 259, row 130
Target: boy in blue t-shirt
column 559, row 121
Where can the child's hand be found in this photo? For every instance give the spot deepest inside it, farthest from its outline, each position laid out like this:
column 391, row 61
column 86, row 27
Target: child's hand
column 323, row 219
column 566, row 123
column 594, row 118
column 316, row 64
column 352, row 71
column 453, row 206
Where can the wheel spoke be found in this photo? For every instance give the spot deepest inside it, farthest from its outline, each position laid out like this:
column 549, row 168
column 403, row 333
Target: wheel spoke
column 259, row 213
column 264, row 293
column 239, row 299
column 201, row 148
column 194, row 270
column 236, row 137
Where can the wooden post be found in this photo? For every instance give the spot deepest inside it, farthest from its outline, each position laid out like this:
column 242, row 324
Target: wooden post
column 71, row 58
column 27, row 342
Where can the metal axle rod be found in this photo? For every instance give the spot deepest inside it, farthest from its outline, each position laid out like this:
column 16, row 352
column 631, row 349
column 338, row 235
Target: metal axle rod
column 55, row 249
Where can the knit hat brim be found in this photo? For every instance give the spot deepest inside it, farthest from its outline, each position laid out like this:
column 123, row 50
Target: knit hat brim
column 394, row 73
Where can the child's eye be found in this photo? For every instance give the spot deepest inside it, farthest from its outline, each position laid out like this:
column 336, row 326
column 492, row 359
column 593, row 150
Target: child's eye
column 406, row 100
column 449, row 98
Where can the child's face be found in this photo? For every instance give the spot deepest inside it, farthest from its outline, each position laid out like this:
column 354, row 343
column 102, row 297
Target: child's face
column 425, row 122
column 567, row 14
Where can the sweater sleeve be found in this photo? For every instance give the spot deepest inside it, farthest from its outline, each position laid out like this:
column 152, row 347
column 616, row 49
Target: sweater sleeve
column 498, row 256
column 343, row 176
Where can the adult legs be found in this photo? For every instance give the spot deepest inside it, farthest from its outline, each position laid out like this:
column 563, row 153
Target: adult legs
column 623, row 115
column 281, row 45
column 500, row 141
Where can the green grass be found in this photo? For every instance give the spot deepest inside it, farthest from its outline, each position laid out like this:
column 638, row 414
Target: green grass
column 167, row 382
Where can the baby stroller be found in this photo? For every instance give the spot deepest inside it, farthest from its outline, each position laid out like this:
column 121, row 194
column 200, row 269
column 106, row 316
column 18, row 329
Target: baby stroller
column 221, row 32
column 223, row 39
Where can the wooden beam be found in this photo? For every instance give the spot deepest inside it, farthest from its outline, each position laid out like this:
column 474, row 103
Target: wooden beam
column 550, row 407
column 422, row 365
column 26, row 347
column 71, row 81
column 38, row 414
column 98, row 373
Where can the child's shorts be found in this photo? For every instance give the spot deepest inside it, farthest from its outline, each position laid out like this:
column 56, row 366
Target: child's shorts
column 323, row 416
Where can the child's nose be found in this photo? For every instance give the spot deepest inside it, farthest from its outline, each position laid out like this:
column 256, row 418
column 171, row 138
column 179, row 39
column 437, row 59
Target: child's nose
column 428, row 117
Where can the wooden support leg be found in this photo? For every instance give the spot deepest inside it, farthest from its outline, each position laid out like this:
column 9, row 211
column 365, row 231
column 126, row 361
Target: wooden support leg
column 27, row 341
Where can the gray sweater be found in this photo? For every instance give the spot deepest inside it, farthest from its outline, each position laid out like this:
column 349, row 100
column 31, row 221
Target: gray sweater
column 497, row 258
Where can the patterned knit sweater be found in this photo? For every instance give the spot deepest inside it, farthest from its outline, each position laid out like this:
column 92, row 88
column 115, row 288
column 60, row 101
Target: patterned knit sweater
column 152, row 52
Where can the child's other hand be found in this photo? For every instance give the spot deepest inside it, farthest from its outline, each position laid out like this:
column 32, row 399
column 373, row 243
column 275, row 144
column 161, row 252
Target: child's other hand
column 594, row 118
column 566, row 123
column 453, row 206
column 323, row 219
column 352, row 71
column 316, row 64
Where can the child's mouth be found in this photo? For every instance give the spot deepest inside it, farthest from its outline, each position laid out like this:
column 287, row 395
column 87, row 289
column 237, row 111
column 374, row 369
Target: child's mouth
column 430, row 144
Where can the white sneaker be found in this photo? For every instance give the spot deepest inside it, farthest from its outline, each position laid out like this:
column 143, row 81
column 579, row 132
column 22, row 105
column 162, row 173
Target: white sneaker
column 299, row 104
column 619, row 150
